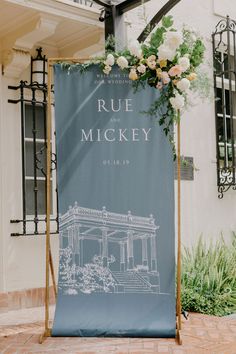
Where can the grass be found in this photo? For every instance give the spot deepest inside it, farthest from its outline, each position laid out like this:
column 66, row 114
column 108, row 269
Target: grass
column 209, row 278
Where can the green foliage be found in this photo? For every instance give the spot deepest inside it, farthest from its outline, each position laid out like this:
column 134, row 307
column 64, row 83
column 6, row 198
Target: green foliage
column 209, row 278
column 110, row 44
column 145, row 63
column 197, row 53
column 167, row 21
column 157, row 36
column 203, row 86
column 156, row 39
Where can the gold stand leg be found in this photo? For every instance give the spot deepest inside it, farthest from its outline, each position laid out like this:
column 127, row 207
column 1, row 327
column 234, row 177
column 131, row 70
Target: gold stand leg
column 44, row 336
column 178, row 297
column 49, row 263
column 178, row 337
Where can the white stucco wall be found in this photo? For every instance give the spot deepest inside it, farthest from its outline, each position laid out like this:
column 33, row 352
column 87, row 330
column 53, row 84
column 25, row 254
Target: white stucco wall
column 23, row 258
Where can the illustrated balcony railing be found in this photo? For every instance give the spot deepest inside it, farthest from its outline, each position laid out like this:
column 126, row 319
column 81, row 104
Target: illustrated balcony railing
column 107, row 217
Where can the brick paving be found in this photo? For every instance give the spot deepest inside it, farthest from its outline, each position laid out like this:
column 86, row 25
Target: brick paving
column 20, row 331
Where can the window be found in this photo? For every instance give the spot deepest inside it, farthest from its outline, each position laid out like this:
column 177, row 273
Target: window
column 34, row 141
column 224, row 49
column 33, row 101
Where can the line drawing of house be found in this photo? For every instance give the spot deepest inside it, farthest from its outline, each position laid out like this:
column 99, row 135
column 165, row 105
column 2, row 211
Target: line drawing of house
column 87, row 261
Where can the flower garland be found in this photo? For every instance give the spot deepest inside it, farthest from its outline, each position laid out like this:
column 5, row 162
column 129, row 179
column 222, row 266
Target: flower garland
column 168, row 62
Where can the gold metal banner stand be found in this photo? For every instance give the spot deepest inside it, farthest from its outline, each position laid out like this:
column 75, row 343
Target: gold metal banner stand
column 49, row 262
column 178, row 295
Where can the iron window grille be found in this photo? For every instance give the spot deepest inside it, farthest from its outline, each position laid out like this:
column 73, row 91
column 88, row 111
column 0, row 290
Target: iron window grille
column 33, row 107
column 224, row 57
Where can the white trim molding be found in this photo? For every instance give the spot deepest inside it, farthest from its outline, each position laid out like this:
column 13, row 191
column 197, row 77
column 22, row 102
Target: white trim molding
column 15, row 61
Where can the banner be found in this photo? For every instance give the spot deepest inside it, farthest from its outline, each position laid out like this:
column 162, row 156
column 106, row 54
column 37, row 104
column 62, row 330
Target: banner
column 116, row 204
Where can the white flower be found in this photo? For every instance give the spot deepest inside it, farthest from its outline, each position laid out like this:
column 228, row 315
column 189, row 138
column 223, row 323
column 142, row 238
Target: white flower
column 177, row 102
column 110, row 60
column 184, row 62
column 173, row 39
column 151, row 62
column 166, row 53
column 107, row 69
column 183, row 85
column 133, row 74
column 122, row 62
column 135, row 49
column 141, row 69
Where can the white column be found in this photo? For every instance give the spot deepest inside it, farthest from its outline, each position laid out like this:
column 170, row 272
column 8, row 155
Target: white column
column 77, row 243
column 153, row 253
column 63, row 239
column 72, row 245
column 130, row 249
column 104, row 247
column 81, row 242
column 70, row 237
column 144, row 251
column 100, row 248
column 122, row 256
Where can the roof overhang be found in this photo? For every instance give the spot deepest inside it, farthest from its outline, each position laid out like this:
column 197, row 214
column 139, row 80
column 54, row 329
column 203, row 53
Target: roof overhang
column 63, row 25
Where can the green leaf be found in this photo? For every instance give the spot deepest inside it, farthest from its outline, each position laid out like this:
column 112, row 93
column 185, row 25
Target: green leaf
column 197, row 53
column 167, row 21
column 209, row 278
column 157, row 37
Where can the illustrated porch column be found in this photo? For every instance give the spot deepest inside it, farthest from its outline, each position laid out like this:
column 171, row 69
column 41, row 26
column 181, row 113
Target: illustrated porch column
column 100, row 248
column 70, row 238
column 81, row 247
column 104, row 247
column 153, row 253
column 77, row 243
column 122, row 256
column 63, row 238
column 71, row 242
column 130, row 249
column 144, row 251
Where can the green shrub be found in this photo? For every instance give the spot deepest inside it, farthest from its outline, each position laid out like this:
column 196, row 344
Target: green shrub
column 209, row 278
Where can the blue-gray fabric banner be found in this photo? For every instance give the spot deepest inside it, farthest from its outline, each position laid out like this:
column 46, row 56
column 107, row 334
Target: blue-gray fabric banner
column 116, row 203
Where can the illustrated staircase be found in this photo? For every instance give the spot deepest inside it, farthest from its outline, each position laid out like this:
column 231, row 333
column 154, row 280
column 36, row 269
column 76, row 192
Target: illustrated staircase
column 132, row 282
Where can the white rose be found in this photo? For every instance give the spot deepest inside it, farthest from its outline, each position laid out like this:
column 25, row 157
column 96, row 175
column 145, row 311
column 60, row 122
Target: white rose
column 107, row 69
column 151, row 62
column 141, row 69
column 183, row 85
column 110, row 60
column 173, row 39
column 177, row 102
column 184, row 62
column 165, row 53
column 135, row 49
column 122, row 62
